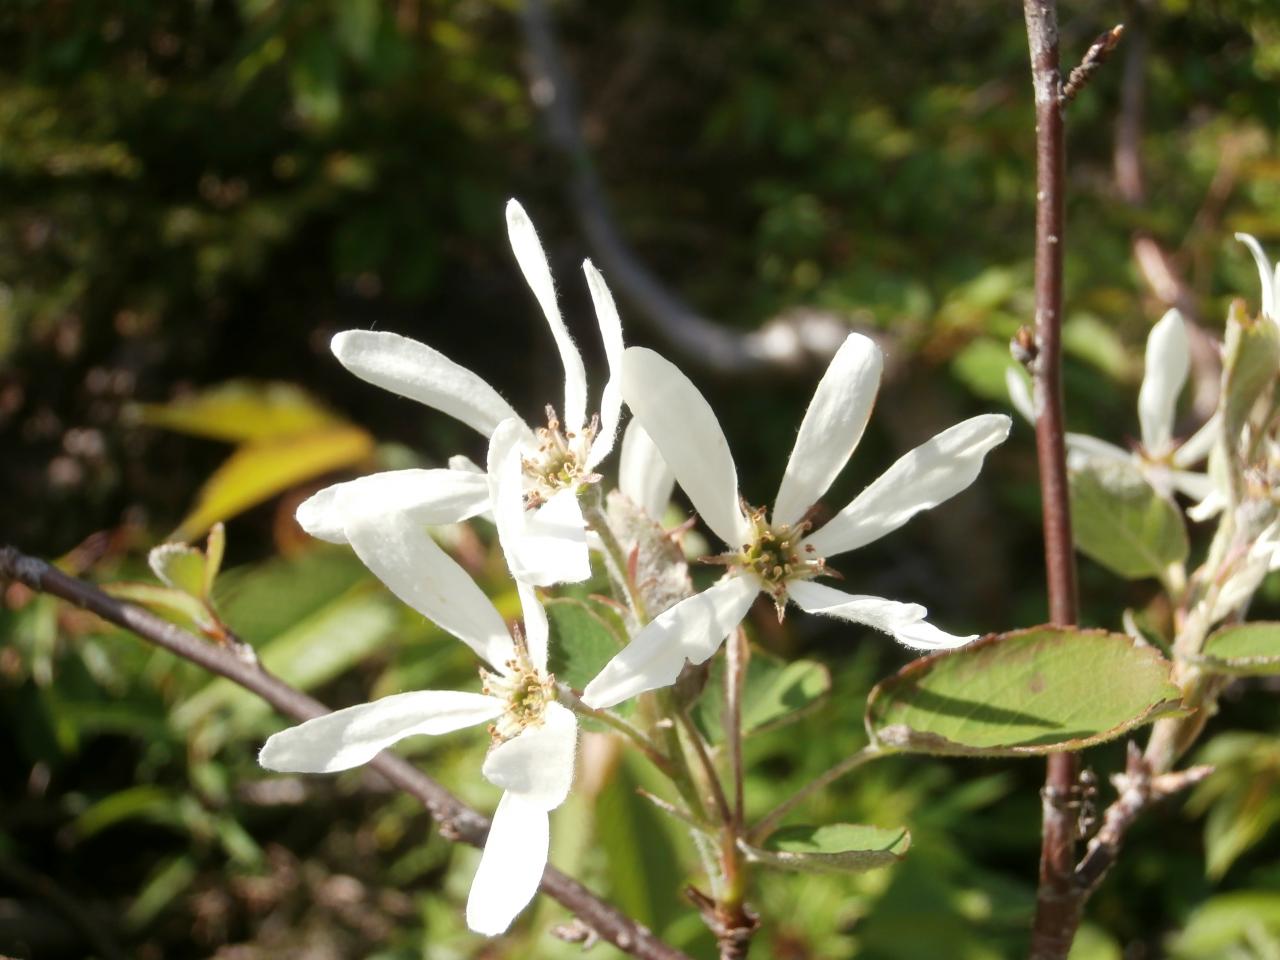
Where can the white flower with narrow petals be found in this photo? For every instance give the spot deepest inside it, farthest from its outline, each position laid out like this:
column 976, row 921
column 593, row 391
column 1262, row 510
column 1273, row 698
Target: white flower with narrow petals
column 1163, row 460
column 778, row 555
column 534, row 737
column 549, row 544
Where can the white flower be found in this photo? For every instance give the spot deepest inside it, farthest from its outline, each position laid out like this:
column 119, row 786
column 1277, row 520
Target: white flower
column 534, row 737
column 1269, row 276
column 779, row 556
column 1163, row 461
column 549, row 545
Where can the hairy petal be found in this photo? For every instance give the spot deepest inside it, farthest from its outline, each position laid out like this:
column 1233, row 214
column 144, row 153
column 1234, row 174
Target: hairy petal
column 415, row 568
column 347, row 738
column 537, row 273
column 414, row 370
column 903, row 621
column 537, row 763
column 430, row 497
column 923, row 478
column 832, row 426
column 611, row 333
column 515, row 855
column 692, row 631
column 686, row 432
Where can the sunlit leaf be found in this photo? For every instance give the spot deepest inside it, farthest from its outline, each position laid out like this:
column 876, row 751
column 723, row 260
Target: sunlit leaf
column 215, row 549
column 258, row 471
column 840, row 847
column 179, row 566
column 1120, row 521
column 775, row 693
column 240, row 411
column 1228, row 925
column 170, row 603
column 1243, row 649
column 1024, row 693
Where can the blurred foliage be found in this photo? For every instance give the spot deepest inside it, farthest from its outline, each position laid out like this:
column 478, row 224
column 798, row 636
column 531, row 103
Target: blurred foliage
column 200, row 193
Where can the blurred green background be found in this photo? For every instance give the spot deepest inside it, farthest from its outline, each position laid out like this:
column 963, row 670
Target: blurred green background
column 194, row 196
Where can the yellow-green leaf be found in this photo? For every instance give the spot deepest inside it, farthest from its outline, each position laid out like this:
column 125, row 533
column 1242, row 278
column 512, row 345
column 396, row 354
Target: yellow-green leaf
column 240, row 411
column 258, row 471
column 835, row 847
column 1243, row 649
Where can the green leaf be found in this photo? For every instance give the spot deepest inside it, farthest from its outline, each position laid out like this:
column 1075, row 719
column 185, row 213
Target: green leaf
column 215, row 549
column 179, row 566
column 169, row 602
column 1120, row 521
column 1245, row 649
column 775, row 693
column 167, row 882
column 311, row 652
column 842, row 847
column 1229, row 925
column 1024, row 693
column 581, row 642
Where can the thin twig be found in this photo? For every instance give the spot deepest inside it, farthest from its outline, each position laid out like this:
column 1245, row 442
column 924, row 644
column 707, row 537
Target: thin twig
column 704, row 761
column 610, row 719
column 1058, row 904
column 457, row 821
column 1138, row 790
column 769, row 822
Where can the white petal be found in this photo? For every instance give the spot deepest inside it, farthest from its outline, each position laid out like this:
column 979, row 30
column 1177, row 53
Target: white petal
column 424, row 497
column 688, row 435
column 611, row 333
column 464, row 463
column 347, row 738
column 511, row 867
column 1209, row 507
column 411, row 564
column 537, row 763
column 691, row 630
column 414, row 370
column 831, row 428
column 1082, row 448
column 537, row 273
column 1018, row 387
column 642, row 474
column 1197, row 486
column 1264, row 274
column 903, row 621
column 543, row 546
column 1198, row 445
column 931, row 473
column 536, row 629
column 1167, row 365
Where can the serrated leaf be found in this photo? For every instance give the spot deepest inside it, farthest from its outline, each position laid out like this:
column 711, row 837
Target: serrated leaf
column 835, row 847
column 1024, row 693
column 581, row 641
column 1244, row 649
column 775, row 693
column 1120, row 521
column 240, row 411
column 169, row 602
column 179, row 566
column 258, row 471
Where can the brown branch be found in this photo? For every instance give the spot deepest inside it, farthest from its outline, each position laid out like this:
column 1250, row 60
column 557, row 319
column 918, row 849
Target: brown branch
column 794, row 340
column 457, row 821
column 1138, row 790
column 1058, row 904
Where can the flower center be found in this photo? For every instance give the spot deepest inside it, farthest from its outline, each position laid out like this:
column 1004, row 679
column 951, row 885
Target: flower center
column 525, row 690
column 777, row 555
column 559, row 463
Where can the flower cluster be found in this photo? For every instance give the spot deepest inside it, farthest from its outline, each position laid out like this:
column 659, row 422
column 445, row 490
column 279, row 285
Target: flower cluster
column 533, row 486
